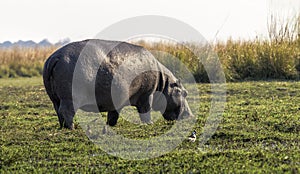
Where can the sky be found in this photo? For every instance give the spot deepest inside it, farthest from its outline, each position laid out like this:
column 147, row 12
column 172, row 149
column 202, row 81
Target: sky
column 77, row 19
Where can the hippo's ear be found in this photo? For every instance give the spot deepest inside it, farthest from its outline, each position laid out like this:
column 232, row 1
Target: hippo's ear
column 176, row 84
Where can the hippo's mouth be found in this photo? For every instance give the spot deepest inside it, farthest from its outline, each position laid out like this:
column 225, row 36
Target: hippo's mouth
column 173, row 114
column 185, row 113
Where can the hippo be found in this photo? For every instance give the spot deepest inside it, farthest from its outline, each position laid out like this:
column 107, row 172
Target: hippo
column 105, row 76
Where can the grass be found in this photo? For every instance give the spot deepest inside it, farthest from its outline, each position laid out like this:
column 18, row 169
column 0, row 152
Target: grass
column 23, row 62
column 240, row 60
column 259, row 133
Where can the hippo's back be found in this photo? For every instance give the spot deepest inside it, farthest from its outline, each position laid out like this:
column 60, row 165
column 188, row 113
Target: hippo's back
column 72, row 72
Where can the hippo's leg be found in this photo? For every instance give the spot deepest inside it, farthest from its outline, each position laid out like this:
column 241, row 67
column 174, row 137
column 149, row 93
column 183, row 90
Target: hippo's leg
column 112, row 118
column 146, row 117
column 56, row 104
column 144, row 109
column 66, row 113
column 56, row 108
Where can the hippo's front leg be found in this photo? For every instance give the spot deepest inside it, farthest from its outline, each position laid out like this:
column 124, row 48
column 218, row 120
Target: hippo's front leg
column 144, row 109
column 112, row 118
column 146, row 117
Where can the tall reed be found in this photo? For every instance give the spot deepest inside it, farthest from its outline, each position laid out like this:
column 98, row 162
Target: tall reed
column 277, row 57
column 23, row 62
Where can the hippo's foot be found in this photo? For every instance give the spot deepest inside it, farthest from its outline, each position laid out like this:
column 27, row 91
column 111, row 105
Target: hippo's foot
column 112, row 118
column 66, row 114
column 148, row 122
column 72, row 127
column 67, row 126
column 146, row 118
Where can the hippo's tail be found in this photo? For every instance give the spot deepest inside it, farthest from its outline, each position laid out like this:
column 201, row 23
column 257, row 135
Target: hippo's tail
column 47, row 79
column 48, row 69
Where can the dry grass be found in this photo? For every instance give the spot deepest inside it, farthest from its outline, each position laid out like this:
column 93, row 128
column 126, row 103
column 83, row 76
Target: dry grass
column 277, row 57
column 23, row 62
column 241, row 60
column 258, row 60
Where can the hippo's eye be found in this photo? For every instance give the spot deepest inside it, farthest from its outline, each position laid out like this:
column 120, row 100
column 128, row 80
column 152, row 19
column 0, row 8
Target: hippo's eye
column 176, row 91
column 174, row 85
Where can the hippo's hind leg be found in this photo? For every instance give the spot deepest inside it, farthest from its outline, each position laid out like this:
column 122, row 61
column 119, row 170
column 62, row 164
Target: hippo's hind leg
column 56, row 104
column 66, row 113
column 112, row 118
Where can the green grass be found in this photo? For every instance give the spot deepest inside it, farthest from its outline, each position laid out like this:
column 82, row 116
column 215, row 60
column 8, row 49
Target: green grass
column 258, row 134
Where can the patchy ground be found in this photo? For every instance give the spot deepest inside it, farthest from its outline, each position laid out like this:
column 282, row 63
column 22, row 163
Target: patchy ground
column 259, row 133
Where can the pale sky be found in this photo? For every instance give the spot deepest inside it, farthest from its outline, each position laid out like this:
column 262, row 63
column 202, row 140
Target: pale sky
column 78, row 19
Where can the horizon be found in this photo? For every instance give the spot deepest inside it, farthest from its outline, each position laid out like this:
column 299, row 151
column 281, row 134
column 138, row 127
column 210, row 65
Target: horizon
column 215, row 20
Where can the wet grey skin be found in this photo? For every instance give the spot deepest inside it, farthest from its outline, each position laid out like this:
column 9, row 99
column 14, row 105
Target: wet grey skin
column 104, row 71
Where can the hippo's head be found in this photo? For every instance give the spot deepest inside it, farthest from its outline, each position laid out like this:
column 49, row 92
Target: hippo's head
column 176, row 106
